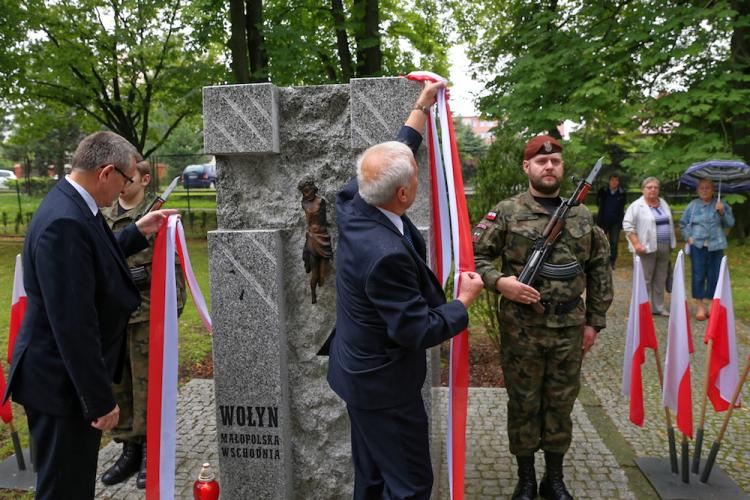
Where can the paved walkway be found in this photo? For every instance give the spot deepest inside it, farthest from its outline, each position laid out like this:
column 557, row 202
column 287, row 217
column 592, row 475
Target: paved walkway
column 602, row 375
column 196, row 444
column 591, row 469
column 598, row 466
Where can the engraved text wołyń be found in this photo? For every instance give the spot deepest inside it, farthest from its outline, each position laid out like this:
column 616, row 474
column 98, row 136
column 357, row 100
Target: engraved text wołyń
column 260, row 439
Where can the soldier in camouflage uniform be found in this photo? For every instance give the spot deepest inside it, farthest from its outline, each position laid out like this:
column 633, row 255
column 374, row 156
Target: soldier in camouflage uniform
column 131, row 392
column 542, row 353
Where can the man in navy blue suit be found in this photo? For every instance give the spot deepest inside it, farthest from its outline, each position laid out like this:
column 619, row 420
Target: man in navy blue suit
column 389, row 309
column 80, row 295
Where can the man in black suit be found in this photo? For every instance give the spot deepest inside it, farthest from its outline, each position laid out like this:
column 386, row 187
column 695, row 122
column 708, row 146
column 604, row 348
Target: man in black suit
column 611, row 202
column 80, row 296
column 389, row 309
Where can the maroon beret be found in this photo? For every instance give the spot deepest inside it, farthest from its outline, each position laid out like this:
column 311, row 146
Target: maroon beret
column 541, row 145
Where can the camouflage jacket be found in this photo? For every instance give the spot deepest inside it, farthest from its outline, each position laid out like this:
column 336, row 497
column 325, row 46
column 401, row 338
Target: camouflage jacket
column 508, row 232
column 141, row 261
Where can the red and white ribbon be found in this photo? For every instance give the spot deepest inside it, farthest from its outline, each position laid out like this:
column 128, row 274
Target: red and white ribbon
column 163, row 357
column 451, row 235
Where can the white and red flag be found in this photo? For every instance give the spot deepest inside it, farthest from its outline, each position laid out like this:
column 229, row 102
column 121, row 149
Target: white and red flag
column 17, row 307
column 450, row 232
column 723, row 370
column 676, row 393
column 640, row 336
column 161, row 425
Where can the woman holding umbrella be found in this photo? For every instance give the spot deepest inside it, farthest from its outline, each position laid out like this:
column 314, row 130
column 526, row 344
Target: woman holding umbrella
column 650, row 232
column 702, row 226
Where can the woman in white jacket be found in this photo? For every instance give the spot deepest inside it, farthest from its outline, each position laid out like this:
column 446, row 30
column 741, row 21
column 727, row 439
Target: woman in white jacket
column 649, row 228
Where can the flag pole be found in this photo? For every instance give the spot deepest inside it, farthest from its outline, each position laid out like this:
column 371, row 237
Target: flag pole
column 717, row 442
column 668, row 416
column 17, row 446
column 699, row 431
column 685, row 459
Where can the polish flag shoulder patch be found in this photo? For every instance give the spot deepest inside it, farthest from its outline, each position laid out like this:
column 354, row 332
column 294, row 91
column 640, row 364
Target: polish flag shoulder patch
column 491, row 216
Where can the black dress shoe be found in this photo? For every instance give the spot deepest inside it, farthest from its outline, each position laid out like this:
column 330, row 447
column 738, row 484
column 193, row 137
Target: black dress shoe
column 526, row 486
column 125, row 466
column 140, row 479
column 552, row 486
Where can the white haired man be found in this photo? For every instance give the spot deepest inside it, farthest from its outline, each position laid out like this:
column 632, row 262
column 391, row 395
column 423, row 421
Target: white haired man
column 389, row 309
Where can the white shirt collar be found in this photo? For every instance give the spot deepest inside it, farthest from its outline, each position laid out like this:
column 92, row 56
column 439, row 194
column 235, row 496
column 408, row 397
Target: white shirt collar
column 84, row 194
column 395, row 219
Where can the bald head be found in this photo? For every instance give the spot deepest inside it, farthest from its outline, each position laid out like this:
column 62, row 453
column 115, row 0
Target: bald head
column 382, row 170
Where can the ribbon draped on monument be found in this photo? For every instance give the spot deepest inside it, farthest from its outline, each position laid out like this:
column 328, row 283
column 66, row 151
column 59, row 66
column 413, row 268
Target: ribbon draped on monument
column 451, row 236
column 162, row 360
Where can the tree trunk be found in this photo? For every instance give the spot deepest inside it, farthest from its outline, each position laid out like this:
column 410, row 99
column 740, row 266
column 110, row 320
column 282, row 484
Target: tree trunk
column 740, row 123
column 238, row 42
column 327, row 65
column 60, row 163
column 342, row 40
column 255, row 41
column 367, row 36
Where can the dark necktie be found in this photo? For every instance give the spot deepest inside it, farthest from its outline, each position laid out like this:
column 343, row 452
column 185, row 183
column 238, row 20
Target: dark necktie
column 407, row 235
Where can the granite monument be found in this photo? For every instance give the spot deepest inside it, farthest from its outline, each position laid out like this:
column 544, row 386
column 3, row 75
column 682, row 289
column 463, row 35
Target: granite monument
column 282, row 433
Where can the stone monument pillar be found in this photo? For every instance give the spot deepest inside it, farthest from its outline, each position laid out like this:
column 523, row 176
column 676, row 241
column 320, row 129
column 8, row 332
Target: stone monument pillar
column 282, row 433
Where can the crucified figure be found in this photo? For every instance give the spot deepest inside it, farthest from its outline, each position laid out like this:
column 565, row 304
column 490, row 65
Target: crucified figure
column 317, row 251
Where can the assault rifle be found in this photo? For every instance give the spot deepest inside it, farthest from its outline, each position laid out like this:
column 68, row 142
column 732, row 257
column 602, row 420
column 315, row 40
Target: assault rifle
column 161, row 200
column 537, row 264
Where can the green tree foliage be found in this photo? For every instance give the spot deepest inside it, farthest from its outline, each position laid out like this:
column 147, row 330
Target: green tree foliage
column 330, row 41
column 12, row 23
column 114, row 62
column 499, row 173
column 656, row 84
column 471, row 148
column 49, row 134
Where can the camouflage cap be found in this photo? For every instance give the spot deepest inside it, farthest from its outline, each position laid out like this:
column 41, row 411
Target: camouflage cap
column 541, row 145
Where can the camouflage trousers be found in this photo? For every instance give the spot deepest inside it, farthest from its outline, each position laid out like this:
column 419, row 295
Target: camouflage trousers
column 542, row 368
column 131, row 392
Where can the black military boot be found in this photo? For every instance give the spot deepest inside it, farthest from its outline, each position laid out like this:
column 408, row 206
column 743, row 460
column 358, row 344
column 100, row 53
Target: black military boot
column 526, row 486
column 125, row 466
column 140, row 479
column 552, row 486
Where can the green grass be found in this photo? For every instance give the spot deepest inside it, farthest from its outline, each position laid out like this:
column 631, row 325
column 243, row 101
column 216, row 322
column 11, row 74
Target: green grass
column 200, row 219
column 195, row 342
column 9, row 202
column 199, row 199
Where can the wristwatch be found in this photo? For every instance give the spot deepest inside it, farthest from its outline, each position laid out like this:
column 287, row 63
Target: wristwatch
column 422, row 108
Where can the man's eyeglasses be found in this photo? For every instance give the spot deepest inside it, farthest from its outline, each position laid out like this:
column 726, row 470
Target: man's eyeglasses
column 129, row 179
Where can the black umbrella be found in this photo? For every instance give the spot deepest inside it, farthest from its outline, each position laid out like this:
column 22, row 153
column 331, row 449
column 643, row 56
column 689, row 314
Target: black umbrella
column 733, row 176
